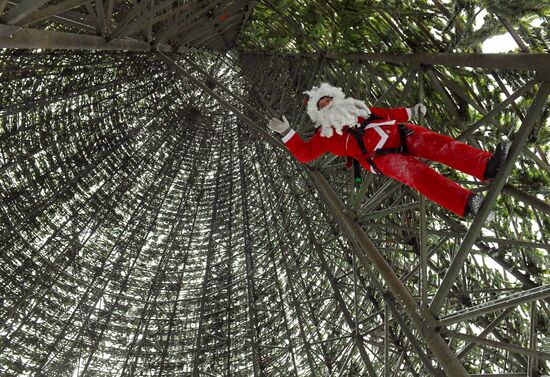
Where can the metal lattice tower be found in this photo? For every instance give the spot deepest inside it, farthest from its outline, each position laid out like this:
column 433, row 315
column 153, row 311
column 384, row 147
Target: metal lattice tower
column 151, row 224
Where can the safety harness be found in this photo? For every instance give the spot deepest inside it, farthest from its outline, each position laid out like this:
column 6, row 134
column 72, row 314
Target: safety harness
column 358, row 133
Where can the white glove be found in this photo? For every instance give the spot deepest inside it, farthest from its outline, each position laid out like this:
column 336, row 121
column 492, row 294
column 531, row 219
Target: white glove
column 278, row 125
column 418, row 109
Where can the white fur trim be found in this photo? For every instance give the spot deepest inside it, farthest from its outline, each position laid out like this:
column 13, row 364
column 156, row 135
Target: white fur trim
column 409, row 113
column 288, row 136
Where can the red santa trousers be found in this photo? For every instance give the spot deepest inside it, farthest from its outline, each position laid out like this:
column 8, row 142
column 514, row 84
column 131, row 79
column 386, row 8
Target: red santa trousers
column 424, row 143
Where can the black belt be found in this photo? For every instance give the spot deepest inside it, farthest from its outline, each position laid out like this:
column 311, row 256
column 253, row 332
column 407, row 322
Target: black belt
column 358, row 133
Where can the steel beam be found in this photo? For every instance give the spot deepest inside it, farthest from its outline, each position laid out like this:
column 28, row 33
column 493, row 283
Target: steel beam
column 488, row 61
column 497, row 109
column 496, row 344
column 423, row 252
column 339, row 297
column 17, row 37
column 21, row 10
column 50, row 11
column 499, row 375
column 532, row 366
column 501, row 303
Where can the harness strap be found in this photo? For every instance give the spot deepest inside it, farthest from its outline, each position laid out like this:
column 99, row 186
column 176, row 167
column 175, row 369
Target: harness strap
column 358, row 133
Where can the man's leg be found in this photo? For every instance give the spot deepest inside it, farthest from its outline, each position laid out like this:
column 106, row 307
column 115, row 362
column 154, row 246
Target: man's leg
column 412, row 172
column 424, row 143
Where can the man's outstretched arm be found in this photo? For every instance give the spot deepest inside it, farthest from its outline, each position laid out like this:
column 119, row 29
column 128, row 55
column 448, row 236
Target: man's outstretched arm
column 304, row 151
column 400, row 114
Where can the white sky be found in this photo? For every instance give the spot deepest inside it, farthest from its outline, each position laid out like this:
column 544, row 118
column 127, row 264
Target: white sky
column 499, row 43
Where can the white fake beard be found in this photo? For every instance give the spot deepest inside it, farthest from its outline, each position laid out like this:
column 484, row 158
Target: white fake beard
column 340, row 113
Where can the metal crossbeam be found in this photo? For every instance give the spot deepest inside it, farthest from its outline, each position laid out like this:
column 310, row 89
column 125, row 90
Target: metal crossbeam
column 500, row 345
column 24, row 8
column 530, row 61
column 514, row 299
column 16, row 37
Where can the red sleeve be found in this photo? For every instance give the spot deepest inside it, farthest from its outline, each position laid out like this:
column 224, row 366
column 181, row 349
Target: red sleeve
column 400, row 114
column 305, row 151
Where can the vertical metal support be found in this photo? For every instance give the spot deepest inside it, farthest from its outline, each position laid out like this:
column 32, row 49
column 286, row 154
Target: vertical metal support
column 532, row 366
column 473, row 233
column 422, row 201
column 447, row 99
column 109, row 4
column 355, row 298
column 206, row 280
column 150, row 25
column 386, row 344
column 100, row 11
column 3, row 4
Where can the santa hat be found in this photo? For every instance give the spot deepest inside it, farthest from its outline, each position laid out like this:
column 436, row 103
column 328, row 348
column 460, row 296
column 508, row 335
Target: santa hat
column 318, row 92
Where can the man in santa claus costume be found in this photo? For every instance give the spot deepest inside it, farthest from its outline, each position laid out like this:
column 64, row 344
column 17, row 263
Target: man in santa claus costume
column 384, row 142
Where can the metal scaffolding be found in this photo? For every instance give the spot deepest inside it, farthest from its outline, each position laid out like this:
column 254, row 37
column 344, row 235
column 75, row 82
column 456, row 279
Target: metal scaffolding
column 151, row 224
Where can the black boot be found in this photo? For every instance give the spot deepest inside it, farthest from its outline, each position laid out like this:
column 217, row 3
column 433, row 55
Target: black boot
column 496, row 161
column 474, row 204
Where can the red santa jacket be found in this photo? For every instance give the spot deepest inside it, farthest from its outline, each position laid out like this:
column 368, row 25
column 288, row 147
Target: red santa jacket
column 380, row 133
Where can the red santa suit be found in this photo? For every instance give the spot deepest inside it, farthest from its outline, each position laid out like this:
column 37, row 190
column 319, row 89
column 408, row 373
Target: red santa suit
column 420, row 142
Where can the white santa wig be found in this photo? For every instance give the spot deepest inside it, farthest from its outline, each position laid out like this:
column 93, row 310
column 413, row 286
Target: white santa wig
column 340, row 112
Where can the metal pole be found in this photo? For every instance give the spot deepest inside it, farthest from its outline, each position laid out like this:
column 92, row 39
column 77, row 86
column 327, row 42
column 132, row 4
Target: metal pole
column 422, row 202
column 17, row 37
column 489, row 61
column 386, row 343
column 501, row 345
column 532, row 366
column 498, row 304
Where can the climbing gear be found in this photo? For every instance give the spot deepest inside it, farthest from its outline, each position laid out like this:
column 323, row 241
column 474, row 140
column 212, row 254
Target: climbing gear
column 495, row 162
column 359, row 131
